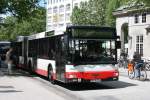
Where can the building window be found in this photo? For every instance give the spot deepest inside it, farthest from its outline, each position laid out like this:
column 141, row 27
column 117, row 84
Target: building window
column 136, row 18
column 67, row 17
column 55, row 10
column 143, row 17
column 76, row 5
column 50, row 10
column 68, row 7
column 48, row 2
column 49, row 27
column 55, row 25
column 61, row 17
column 49, row 19
column 61, row 9
column 55, row 18
column 61, row 25
column 139, row 44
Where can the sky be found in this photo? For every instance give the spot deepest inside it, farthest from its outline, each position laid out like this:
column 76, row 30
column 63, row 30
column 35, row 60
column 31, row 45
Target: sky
column 42, row 3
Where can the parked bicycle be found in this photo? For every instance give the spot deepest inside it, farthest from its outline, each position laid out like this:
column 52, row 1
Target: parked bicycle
column 147, row 65
column 131, row 71
column 123, row 61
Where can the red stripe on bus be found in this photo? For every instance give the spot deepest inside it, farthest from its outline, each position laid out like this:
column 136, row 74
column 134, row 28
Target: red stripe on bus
column 92, row 75
column 41, row 72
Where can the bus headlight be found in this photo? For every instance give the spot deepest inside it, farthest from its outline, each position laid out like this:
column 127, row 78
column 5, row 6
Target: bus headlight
column 72, row 76
column 116, row 73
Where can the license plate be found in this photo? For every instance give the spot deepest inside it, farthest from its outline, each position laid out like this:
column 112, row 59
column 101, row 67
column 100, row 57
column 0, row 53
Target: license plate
column 96, row 80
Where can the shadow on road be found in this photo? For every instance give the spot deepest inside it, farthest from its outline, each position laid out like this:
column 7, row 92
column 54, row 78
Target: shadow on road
column 1, row 87
column 95, row 86
column 15, row 72
column 9, row 91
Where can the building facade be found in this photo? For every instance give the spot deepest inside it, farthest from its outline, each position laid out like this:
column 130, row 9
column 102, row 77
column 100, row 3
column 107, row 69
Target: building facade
column 133, row 26
column 58, row 14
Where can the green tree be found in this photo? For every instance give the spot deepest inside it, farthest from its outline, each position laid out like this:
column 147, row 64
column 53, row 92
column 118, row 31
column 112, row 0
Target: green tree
column 80, row 15
column 110, row 7
column 3, row 6
column 146, row 2
column 90, row 13
column 15, row 28
column 97, row 11
column 22, row 9
column 100, row 12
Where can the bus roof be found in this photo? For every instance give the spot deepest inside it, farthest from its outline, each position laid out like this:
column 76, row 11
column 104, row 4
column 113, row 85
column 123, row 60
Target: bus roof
column 91, row 31
column 90, row 26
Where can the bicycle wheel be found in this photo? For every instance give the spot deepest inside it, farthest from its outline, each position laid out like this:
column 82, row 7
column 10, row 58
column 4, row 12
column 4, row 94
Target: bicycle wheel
column 119, row 64
column 143, row 74
column 131, row 74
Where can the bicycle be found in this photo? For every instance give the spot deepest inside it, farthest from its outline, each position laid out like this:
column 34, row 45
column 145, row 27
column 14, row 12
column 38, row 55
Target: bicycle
column 147, row 65
column 131, row 72
column 123, row 63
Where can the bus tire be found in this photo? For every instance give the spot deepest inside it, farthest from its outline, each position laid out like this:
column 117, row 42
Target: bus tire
column 50, row 74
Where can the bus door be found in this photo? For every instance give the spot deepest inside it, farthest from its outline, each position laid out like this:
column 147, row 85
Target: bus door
column 60, row 57
column 25, row 51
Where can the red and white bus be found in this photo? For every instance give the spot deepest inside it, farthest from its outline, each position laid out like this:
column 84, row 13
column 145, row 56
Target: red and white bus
column 81, row 54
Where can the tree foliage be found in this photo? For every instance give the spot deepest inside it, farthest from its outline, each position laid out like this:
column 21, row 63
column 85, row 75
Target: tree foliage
column 22, row 9
column 34, row 24
column 80, row 15
column 100, row 12
column 3, row 5
column 112, row 5
column 27, row 17
column 91, row 13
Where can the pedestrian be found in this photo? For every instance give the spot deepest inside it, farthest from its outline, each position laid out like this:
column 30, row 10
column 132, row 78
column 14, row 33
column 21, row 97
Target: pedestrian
column 9, row 60
column 138, row 63
column 130, row 66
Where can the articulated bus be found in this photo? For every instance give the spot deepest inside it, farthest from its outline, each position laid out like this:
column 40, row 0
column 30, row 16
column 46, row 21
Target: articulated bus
column 81, row 54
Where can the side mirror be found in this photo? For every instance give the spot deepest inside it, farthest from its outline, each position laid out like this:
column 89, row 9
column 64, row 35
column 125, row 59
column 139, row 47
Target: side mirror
column 118, row 44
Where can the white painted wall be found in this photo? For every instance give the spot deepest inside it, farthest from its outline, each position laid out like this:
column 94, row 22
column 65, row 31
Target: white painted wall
column 134, row 30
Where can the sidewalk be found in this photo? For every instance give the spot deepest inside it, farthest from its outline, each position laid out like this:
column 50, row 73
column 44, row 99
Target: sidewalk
column 124, row 72
column 15, row 72
column 3, row 68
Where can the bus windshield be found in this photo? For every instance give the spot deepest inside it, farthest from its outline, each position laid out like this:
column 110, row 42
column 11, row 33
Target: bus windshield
column 92, row 51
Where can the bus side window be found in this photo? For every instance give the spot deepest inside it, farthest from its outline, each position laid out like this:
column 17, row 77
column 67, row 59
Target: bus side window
column 51, row 54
